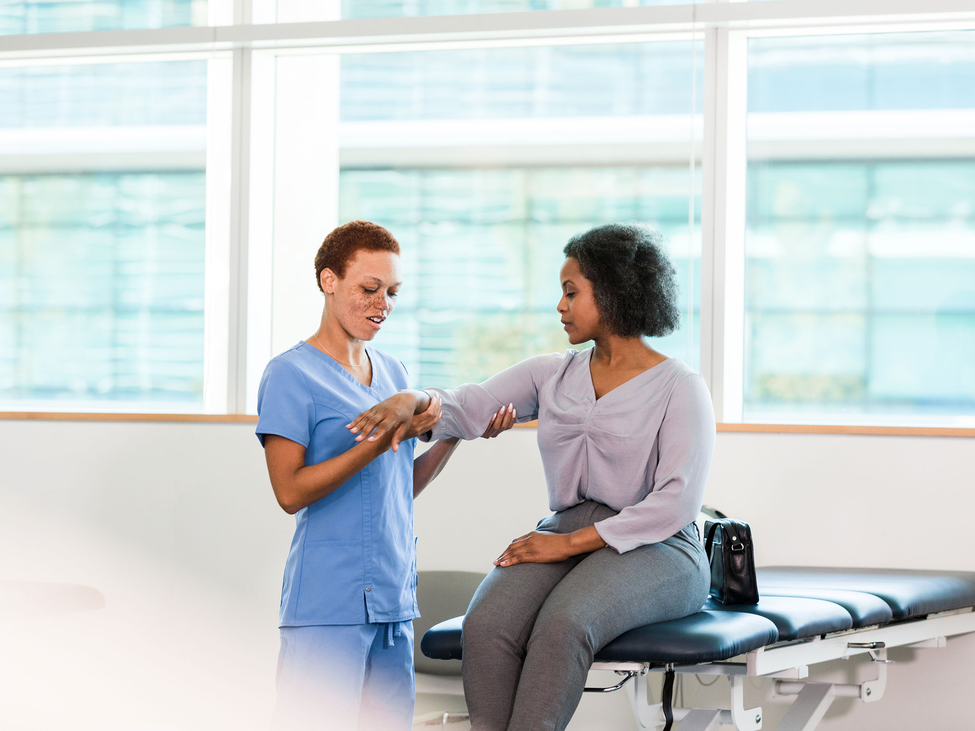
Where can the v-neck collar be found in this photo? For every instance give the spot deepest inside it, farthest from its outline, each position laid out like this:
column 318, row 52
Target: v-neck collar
column 638, row 376
column 336, row 366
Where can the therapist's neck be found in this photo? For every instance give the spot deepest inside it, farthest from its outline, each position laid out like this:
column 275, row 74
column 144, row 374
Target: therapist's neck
column 338, row 341
column 614, row 351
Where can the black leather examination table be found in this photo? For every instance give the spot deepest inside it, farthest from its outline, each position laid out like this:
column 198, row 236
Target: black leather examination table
column 805, row 616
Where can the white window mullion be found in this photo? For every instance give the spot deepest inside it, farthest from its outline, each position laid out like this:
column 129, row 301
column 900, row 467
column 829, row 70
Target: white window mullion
column 723, row 220
column 219, row 204
column 711, row 122
column 260, row 223
column 239, row 229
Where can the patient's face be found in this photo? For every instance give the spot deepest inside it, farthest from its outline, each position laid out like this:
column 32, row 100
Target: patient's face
column 578, row 310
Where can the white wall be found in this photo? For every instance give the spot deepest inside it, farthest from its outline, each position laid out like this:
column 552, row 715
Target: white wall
column 175, row 524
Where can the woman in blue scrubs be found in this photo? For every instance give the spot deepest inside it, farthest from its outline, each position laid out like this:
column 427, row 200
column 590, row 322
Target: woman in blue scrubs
column 349, row 593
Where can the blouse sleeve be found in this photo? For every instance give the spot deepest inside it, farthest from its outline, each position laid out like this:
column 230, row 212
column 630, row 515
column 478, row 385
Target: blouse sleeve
column 685, row 446
column 467, row 410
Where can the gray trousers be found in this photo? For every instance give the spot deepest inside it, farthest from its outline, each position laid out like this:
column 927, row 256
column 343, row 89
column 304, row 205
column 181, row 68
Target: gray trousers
column 532, row 629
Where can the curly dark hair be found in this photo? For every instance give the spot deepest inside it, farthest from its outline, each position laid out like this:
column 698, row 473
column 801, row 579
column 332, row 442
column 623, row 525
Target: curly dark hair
column 633, row 281
column 342, row 243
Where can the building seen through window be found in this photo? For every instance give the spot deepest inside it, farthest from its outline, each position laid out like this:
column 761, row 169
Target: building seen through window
column 102, row 235
column 65, row 16
column 860, row 248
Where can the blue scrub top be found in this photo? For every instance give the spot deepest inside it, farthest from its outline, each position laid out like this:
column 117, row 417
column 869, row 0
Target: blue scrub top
column 353, row 555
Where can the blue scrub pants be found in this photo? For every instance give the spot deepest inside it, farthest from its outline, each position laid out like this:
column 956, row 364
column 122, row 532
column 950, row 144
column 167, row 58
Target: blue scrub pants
column 345, row 678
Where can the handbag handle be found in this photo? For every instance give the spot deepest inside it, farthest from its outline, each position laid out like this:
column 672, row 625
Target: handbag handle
column 738, row 539
column 713, row 513
column 710, row 539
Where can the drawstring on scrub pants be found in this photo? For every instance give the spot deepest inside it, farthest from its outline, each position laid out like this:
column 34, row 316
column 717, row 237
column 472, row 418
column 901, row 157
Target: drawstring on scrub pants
column 393, row 630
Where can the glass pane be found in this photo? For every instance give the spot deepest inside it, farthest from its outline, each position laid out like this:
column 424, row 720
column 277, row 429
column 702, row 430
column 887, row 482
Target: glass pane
column 54, row 16
column 104, row 95
column 102, row 270
column 860, row 242
column 480, row 294
column 543, row 82
column 483, row 164
column 486, row 244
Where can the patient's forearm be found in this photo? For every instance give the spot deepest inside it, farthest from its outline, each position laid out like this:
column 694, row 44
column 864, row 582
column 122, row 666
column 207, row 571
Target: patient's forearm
column 585, row 540
column 540, row 547
column 428, row 465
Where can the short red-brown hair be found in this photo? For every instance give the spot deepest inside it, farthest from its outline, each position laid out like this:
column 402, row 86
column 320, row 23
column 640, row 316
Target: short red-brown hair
column 342, row 243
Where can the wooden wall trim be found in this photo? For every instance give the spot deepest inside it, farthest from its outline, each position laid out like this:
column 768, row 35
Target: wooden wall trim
column 899, row 431
column 96, row 416
column 907, row 431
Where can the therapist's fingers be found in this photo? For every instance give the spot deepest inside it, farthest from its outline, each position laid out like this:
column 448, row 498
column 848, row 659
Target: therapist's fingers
column 502, row 420
column 426, row 420
column 376, row 422
column 382, row 428
column 368, row 427
column 436, row 410
column 399, row 435
column 390, row 424
column 431, row 415
column 358, row 422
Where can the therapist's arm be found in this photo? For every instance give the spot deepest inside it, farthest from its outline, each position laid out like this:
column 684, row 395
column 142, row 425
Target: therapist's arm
column 296, row 485
column 392, row 418
column 428, row 465
column 469, row 407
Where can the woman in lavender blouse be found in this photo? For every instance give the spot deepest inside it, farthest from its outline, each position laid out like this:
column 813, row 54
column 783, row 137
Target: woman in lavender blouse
column 626, row 436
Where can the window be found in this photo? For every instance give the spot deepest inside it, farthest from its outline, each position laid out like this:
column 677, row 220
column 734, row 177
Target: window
column 102, row 234
column 484, row 163
column 812, row 169
column 860, row 246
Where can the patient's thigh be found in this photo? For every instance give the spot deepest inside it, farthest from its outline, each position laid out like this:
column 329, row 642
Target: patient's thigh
column 509, row 599
column 609, row 593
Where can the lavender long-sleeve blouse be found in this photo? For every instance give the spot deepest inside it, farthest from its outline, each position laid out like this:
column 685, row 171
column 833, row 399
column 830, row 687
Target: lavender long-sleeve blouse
column 644, row 449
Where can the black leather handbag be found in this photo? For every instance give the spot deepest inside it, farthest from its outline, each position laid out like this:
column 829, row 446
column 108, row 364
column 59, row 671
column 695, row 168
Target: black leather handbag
column 728, row 544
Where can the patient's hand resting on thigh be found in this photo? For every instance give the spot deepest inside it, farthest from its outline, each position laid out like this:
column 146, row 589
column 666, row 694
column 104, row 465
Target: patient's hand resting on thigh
column 537, row 547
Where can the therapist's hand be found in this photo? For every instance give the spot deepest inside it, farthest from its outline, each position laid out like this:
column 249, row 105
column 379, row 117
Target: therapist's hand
column 391, row 417
column 502, row 420
column 536, row 547
column 426, row 420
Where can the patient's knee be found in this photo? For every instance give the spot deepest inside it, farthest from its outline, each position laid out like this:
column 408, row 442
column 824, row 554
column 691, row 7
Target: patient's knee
column 564, row 629
column 483, row 620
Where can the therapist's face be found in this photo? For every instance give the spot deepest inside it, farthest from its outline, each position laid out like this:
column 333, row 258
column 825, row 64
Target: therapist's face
column 363, row 299
column 578, row 310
